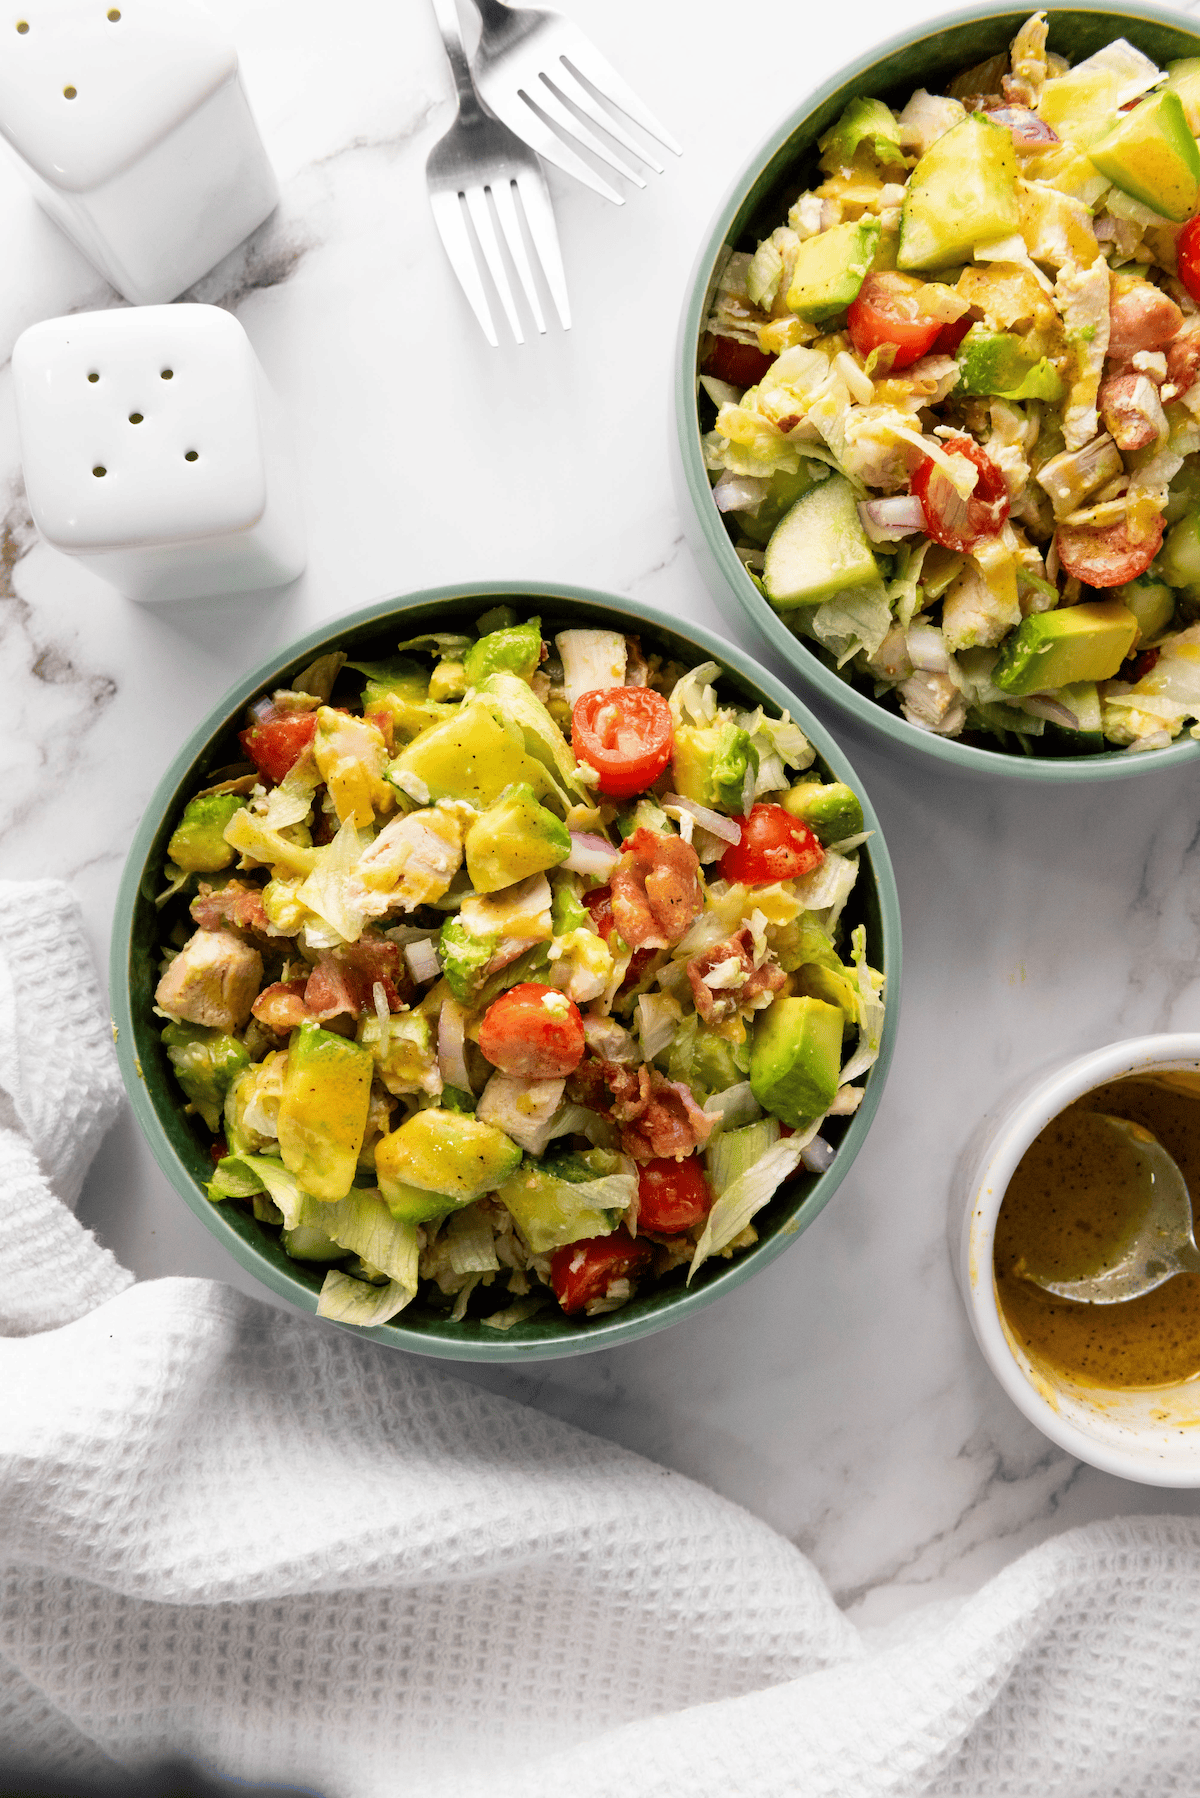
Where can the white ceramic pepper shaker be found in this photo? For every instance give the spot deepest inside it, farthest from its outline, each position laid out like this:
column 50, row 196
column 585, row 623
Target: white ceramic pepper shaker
column 129, row 121
column 156, row 453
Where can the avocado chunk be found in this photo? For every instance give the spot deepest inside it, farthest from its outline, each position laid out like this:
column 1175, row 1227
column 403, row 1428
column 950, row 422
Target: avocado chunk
column 569, row 1198
column 1152, row 156
column 830, row 269
column 1184, row 80
column 863, row 121
column 206, row 1063
column 819, row 549
column 710, row 762
column 516, row 649
column 1179, row 558
column 1075, row 643
column 1082, row 697
column 439, row 1161
column 780, row 497
column 832, row 812
column 996, row 362
column 448, row 680
column 401, row 688
column 474, row 754
column 1081, row 105
column 198, row 843
column 834, row 987
column 796, row 1058
column 1152, row 604
column 323, row 1111
column 513, row 838
column 963, row 192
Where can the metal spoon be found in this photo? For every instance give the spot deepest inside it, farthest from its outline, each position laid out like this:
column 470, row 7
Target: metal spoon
column 1163, row 1244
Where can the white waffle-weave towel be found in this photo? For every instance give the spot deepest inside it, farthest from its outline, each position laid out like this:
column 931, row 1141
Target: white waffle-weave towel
column 230, row 1533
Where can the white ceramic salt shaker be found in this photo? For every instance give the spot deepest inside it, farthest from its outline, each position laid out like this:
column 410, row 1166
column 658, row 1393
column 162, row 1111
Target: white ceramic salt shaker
column 129, row 121
column 156, row 453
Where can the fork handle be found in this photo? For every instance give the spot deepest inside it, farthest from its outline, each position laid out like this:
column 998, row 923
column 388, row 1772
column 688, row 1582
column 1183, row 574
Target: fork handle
column 446, row 13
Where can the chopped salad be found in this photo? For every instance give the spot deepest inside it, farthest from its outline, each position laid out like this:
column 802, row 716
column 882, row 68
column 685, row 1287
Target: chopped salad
column 957, row 402
column 512, row 972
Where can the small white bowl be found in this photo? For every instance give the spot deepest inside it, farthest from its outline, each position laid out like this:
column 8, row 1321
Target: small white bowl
column 1151, row 1434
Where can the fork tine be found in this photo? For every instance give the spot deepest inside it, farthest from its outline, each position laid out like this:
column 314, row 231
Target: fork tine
column 588, row 62
column 524, row 121
column 510, row 225
column 456, row 241
column 547, row 101
column 539, row 216
column 481, row 218
column 574, row 91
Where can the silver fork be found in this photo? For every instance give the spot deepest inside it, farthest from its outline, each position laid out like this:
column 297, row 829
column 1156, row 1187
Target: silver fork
column 476, row 155
column 528, row 58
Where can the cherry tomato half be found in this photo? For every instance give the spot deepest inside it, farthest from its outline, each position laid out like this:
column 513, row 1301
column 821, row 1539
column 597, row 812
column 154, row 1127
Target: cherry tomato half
column 1187, row 255
column 774, row 846
column 1106, row 556
column 534, row 1032
column 741, row 364
column 886, row 312
column 583, row 1271
column 625, row 734
column 277, row 744
column 961, row 523
column 672, row 1195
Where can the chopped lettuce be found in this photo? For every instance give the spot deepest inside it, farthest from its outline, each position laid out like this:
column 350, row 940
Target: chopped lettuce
column 750, row 1188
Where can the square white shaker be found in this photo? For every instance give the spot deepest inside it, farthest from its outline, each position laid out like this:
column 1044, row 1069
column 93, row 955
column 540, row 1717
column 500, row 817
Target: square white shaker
column 156, row 453
column 129, row 121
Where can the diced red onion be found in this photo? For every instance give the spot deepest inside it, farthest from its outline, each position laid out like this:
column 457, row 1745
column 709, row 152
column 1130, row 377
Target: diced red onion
column 591, row 855
column 1026, row 127
column 818, row 1155
column 452, row 1039
column 927, row 649
column 261, row 710
column 422, row 960
column 1053, row 710
column 713, row 822
column 887, row 520
column 739, row 492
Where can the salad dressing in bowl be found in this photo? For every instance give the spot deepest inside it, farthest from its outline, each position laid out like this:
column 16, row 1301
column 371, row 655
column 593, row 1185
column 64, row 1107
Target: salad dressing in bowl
column 1070, row 1206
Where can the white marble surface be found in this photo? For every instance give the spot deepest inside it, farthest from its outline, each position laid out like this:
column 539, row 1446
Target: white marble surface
column 839, row 1395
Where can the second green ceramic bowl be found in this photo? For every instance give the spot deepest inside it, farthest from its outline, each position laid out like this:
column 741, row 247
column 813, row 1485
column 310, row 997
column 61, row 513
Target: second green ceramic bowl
column 756, row 203
column 181, row 1147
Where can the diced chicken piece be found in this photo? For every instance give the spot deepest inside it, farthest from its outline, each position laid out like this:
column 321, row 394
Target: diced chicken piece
column 212, row 981
column 1082, row 295
column 591, row 659
column 1057, row 228
column 1027, row 59
column 892, row 659
column 932, row 702
column 1132, row 410
column 1070, row 476
column 609, row 1040
column 519, row 915
column 1124, row 234
column 926, row 118
column 656, row 890
column 581, row 965
column 1012, row 435
column 981, row 605
column 811, row 215
column 1183, row 358
column 523, row 1109
column 411, row 862
column 352, row 755
column 1152, row 363
column 1141, row 317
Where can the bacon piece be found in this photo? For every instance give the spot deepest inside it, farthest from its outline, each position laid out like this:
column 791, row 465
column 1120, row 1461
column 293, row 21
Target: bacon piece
column 670, row 1123
column 377, row 959
column 1130, row 407
column 1183, row 357
column 745, row 982
column 333, row 988
column 281, row 1007
column 235, row 906
column 611, row 1088
column 1140, row 317
column 655, row 889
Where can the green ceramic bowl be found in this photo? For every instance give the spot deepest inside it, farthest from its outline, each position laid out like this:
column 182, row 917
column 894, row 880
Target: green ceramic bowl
column 181, row 1146
column 755, row 204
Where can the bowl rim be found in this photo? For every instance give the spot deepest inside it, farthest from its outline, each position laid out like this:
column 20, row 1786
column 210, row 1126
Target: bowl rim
column 703, row 524
column 614, row 1329
column 985, row 1190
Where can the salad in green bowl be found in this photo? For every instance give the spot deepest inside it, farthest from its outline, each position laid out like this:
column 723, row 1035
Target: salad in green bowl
column 508, row 971
column 955, row 401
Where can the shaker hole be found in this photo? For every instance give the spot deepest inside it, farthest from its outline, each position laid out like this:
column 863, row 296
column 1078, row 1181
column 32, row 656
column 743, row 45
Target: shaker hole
column 69, row 93
column 98, row 471
column 113, row 14
column 135, row 418
column 167, row 373
column 93, row 376
column 192, row 456
column 22, row 26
